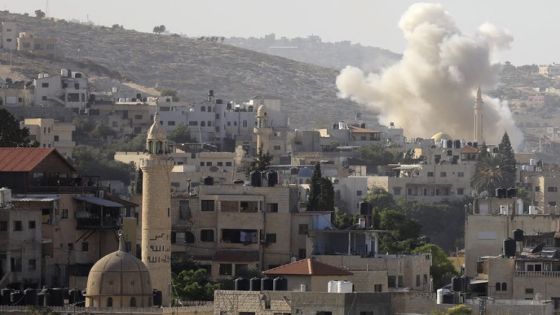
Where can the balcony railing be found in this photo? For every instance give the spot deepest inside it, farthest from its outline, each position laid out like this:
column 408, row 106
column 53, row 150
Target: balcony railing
column 97, row 223
column 538, row 274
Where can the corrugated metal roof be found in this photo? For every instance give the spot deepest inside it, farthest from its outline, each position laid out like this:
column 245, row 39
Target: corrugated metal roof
column 36, row 198
column 99, row 201
column 22, row 159
column 25, row 159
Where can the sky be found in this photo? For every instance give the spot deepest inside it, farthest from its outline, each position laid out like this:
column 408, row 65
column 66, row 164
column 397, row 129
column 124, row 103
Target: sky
column 533, row 24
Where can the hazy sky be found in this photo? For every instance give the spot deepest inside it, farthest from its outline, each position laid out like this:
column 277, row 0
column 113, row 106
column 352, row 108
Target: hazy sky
column 534, row 24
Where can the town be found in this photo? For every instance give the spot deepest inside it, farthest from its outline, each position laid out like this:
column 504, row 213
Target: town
column 121, row 195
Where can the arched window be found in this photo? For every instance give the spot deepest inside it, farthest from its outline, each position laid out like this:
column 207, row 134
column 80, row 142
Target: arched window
column 132, row 302
column 498, row 287
column 504, row 286
column 110, row 302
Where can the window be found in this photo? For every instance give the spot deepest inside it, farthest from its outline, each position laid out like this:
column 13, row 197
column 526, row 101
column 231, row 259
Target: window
column 3, row 226
column 249, row 206
column 225, row 270
column 377, row 288
column 31, row 225
column 228, row 164
column 358, row 193
column 270, row 237
column 277, row 148
column 207, row 235
column 529, row 290
column 202, row 124
column 70, row 246
column 18, row 226
column 64, row 213
column 110, row 302
column 460, row 191
column 207, row 205
column 430, row 174
column 271, row 207
column 552, row 203
column 171, row 123
column 460, row 174
column 201, row 163
column 392, row 281
column 132, row 302
column 220, row 163
column 401, row 282
column 397, row 191
column 138, row 116
column 417, row 280
column 208, row 163
column 15, row 264
column 85, row 246
column 44, row 98
column 302, row 253
column 32, row 264
column 303, row 229
column 245, row 124
column 202, row 108
column 45, row 84
column 193, row 123
column 229, row 206
column 552, row 189
column 504, row 286
column 537, row 188
column 323, row 313
column 425, row 279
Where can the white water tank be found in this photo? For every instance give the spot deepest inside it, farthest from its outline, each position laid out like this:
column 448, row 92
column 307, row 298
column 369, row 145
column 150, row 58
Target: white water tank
column 302, row 287
column 362, row 223
column 532, row 162
column 504, row 209
column 439, row 296
column 519, row 206
column 332, row 286
column 532, row 209
column 344, row 287
column 5, row 196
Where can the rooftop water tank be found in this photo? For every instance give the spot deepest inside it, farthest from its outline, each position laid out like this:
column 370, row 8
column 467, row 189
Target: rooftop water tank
column 509, row 247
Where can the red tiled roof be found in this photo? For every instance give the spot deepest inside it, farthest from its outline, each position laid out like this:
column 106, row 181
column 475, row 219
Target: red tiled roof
column 236, row 256
column 308, row 267
column 23, row 159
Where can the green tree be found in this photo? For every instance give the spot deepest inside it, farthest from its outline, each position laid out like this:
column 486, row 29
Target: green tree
column 314, row 189
column 442, row 269
column 159, row 29
column 193, row 285
column 11, row 135
column 40, row 14
column 181, row 134
column 375, row 155
column 326, row 197
column 260, row 162
column 488, row 175
column 342, row 220
column 507, row 162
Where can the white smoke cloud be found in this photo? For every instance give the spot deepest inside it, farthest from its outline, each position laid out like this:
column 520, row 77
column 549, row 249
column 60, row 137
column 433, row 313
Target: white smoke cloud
column 432, row 88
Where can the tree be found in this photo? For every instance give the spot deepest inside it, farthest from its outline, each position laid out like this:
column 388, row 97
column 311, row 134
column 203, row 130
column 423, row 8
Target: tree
column 169, row 92
column 11, row 135
column 181, row 134
column 314, row 189
column 488, row 175
column 442, row 269
column 193, row 285
column 95, row 161
column 39, row 14
column 342, row 220
column 159, row 29
column 507, row 162
column 375, row 155
column 260, row 162
column 326, row 197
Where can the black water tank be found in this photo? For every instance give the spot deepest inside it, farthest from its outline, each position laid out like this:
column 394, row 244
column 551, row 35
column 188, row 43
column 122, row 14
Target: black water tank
column 75, row 296
column 509, row 247
column 209, row 181
column 241, row 284
column 457, row 284
column 55, row 297
column 158, row 299
column 448, row 298
column 5, row 296
column 518, row 235
column 267, row 284
column 280, row 284
column 256, row 178
column 501, row 192
column 475, row 144
column 272, row 178
column 457, row 144
column 365, row 208
column 255, row 284
column 16, row 298
column 449, row 144
column 29, row 297
column 511, row 192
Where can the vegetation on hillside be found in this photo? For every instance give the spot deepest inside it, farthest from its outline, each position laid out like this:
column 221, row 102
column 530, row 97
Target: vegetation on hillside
column 10, row 133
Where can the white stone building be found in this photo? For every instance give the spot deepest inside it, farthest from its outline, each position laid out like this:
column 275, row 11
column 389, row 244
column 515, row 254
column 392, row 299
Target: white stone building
column 9, row 34
column 69, row 89
column 51, row 134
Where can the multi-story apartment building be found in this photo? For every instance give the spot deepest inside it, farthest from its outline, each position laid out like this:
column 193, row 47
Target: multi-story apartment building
column 9, row 35
column 444, row 173
column 51, row 134
column 69, row 89
column 36, row 45
column 541, row 183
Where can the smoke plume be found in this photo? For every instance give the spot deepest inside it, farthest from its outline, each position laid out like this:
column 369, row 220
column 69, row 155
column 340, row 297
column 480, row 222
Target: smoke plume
column 433, row 87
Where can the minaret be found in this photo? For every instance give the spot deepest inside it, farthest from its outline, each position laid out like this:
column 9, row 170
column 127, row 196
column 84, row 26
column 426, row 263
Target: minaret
column 156, row 207
column 261, row 130
column 478, row 118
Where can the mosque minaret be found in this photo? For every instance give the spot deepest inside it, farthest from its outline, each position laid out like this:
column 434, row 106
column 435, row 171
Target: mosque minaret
column 478, row 118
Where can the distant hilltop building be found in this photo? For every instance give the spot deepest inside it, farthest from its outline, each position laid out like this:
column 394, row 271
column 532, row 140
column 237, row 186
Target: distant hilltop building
column 8, row 32
column 36, row 45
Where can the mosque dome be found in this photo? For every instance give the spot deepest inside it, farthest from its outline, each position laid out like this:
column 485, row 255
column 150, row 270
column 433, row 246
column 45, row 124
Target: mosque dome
column 119, row 280
column 440, row 136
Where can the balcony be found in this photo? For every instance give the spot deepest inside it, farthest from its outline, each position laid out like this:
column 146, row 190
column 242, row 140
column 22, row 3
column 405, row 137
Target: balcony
column 537, row 274
column 63, row 185
column 97, row 214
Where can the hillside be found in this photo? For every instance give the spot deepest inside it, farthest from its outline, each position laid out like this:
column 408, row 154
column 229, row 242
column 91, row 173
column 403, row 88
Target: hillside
column 313, row 50
column 192, row 67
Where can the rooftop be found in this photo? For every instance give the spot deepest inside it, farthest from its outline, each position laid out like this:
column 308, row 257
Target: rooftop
column 307, row 267
column 24, row 159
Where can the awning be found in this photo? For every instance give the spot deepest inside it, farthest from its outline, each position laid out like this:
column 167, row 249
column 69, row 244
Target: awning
column 99, row 201
column 35, row 198
column 236, row 256
column 478, row 281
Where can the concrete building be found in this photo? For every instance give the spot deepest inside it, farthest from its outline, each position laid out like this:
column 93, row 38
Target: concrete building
column 349, row 192
column 21, row 239
column 35, row 45
column 156, row 210
column 69, row 89
column 18, row 93
column 51, row 134
column 9, row 34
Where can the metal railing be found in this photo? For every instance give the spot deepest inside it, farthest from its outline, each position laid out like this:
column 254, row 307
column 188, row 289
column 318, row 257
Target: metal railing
column 538, row 274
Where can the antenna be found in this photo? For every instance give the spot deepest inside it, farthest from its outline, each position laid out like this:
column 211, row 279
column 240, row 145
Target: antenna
column 47, row 8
